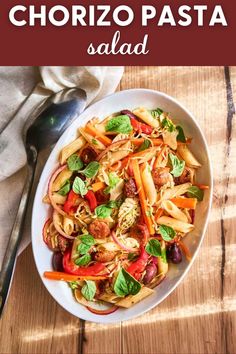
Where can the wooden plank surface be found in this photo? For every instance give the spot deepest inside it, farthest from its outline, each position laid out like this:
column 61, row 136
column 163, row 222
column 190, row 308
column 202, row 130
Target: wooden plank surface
column 199, row 316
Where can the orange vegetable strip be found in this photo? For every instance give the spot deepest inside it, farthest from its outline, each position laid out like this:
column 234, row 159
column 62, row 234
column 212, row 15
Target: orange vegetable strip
column 94, row 132
column 143, row 201
column 159, row 213
column 71, row 277
column 189, row 203
column 163, row 150
column 97, row 186
column 201, row 186
column 185, row 250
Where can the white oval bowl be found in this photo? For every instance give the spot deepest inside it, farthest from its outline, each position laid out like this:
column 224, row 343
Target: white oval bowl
column 128, row 99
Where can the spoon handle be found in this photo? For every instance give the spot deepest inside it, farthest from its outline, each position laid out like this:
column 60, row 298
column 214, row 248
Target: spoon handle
column 16, row 233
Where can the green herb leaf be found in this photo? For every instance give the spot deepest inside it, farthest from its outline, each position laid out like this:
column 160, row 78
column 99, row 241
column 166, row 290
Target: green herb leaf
column 177, row 165
column 195, row 192
column 91, row 169
column 113, row 180
column 132, row 256
column 145, row 145
column 167, row 232
column 168, row 124
column 153, row 247
column 94, row 141
column 125, row 284
column 156, row 112
column 89, row 290
column 83, row 260
column 119, row 124
column 74, row 163
column 180, row 136
column 64, row 190
column 82, row 248
column 103, row 212
column 73, row 285
column 79, row 187
column 87, row 240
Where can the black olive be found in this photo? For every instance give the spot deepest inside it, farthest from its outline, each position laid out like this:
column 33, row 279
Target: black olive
column 174, row 253
column 57, row 261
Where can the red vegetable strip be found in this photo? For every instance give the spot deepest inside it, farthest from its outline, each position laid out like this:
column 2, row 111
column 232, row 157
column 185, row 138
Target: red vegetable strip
column 141, row 127
column 90, row 197
column 137, row 267
column 103, row 312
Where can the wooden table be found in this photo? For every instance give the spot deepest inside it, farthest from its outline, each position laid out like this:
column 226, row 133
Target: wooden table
column 199, row 316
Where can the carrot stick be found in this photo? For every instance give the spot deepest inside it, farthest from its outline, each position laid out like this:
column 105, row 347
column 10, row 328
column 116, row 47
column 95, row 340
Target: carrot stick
column 157, row 161
column 97, row 134
column 142, row 197
column 185, row 250
column 201, row 186
column 97, row 186
column 71, row 277
column 159, row 213
column 189, row 203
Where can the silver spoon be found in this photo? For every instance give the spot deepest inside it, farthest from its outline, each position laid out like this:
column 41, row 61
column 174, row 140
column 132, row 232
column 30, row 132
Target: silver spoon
column 51, row 119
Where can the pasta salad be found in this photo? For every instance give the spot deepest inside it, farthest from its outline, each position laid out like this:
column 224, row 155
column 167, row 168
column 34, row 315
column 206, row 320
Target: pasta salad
column 122, row 200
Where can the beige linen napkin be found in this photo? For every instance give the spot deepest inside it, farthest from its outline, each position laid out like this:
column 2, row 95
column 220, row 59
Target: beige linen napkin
column 21, row 90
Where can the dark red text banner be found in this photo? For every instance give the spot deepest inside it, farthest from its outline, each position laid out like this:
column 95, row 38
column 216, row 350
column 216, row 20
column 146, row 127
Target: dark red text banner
column 167, row 44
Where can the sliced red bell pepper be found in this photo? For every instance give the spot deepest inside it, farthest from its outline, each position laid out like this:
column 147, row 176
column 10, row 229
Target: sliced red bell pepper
column 137, row 267
column 70, row 202
column 91, row 198
column 71, row 268
column 141, row 127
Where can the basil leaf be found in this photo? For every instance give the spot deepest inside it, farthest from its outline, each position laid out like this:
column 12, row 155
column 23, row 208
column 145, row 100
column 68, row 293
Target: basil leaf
column 89, row 290
column 79, row 187
column 153, row 247
column 103, row 212
column 195, row 192
column 83, row 260
column 125, row 284
column 156, row 112
column 87, row 240
column 167, row 233
column 145, row 145
column 74, row 163
column 168, row 124
column 91, row 169
column 113, row 180
column 180, row 136
column 82, row 248
column 119, row 124
column 132, row 256
column 177, row 165
column 73, row 285
column 64, row 190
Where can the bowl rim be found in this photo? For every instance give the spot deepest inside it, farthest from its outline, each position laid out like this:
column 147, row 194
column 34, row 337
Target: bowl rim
column 105, row 319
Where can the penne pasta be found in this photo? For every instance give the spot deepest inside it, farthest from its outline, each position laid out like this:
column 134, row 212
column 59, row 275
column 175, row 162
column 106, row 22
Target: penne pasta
column 175, row 224
column 148, row 184
column 111, row 298
column 146, row 116
column 71, row 148
column 176, row 191
column 174, row 211
column 134, row 299
column 188, row 156
column 68, row 225
column 162, row 265
column 115, row 156
column 90, row 139
column 61, row 179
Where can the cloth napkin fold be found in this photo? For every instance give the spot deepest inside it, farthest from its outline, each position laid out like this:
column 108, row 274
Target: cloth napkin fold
column 22, row 89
